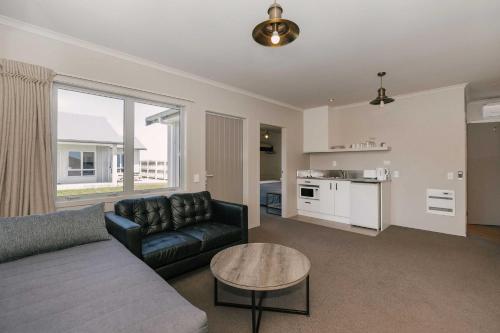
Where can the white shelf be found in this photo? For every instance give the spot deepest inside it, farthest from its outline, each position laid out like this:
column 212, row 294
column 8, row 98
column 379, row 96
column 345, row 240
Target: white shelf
column 350, row 150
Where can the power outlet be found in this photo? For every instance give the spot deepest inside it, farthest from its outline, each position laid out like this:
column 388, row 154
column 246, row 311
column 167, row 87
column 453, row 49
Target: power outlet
column 387, row 162
column 450, row 175
column 334, row 163
column 395, row 174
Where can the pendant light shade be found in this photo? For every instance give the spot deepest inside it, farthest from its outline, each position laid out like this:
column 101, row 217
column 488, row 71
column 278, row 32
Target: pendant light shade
column 381, row 99
column 276, row 31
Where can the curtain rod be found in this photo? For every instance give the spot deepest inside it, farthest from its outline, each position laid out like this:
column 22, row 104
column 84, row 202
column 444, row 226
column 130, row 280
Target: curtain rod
column 119, row 86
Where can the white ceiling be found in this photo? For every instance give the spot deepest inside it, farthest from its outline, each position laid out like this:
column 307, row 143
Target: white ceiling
column 422, row 44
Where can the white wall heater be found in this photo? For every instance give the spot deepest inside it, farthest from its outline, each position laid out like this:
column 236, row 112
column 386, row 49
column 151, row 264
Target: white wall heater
column 441, row 202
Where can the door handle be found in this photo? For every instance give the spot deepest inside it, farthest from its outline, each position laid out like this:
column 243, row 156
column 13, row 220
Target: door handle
column 209, row 176
column 336, row 186
column 330, row 186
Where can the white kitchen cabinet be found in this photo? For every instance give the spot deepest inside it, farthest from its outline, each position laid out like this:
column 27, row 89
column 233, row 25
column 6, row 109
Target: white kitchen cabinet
column 334, row 199
column 309, row 205
column 342, row 198
column 319, row 131
column 362, row 204
column 327, row 197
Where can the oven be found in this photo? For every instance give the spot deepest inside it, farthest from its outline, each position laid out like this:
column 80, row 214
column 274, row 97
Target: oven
column 309, row 191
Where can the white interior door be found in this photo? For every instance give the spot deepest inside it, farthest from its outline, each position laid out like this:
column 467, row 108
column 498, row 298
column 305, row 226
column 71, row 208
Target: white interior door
column 224, row 157
column 483, row 164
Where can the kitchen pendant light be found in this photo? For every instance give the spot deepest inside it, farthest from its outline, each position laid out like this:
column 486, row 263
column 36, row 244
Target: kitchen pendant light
column 276, row 31
column 381, row 99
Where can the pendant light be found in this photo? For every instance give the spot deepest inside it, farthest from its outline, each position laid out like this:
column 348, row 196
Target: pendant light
column 381, row 99
column 267, row 135
column 276, row 31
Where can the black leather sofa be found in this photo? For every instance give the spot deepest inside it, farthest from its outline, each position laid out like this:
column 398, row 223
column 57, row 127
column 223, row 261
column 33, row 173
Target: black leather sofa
column 177, row 234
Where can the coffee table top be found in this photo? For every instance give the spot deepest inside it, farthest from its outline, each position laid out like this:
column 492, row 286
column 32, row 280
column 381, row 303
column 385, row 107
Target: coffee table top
column 260, row 266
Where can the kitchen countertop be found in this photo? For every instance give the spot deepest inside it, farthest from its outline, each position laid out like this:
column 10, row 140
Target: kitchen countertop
column 355, row 180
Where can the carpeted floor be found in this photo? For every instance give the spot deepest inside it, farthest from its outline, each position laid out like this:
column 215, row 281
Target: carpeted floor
column 404, row 280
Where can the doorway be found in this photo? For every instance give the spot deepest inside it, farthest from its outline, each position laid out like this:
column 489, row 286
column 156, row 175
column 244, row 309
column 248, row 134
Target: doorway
column 271, row 170
column 483, row 190
column 224, row 157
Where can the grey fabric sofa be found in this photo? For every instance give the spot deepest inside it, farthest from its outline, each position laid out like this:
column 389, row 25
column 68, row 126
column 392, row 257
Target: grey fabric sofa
column 96, row 287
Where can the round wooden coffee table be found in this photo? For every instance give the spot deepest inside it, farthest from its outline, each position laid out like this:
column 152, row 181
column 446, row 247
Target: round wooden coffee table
column 260, row 267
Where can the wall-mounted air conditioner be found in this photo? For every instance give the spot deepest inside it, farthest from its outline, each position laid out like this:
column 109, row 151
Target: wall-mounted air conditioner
column 491, row 110
column 266, row 148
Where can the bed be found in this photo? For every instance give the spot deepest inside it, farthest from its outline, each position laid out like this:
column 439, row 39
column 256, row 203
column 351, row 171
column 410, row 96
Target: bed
column 269, row 186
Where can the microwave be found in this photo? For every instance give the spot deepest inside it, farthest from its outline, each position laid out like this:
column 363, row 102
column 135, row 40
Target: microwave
column 310, row 192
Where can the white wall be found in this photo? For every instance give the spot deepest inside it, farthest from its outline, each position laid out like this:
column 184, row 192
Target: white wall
column 427, row 134
column 64, row 56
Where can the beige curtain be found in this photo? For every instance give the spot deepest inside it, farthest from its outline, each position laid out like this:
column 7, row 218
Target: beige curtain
column 26, row 179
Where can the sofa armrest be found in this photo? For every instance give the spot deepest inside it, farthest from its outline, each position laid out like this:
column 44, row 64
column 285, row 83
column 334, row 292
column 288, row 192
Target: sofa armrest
column 233, row 214
column 125, row 231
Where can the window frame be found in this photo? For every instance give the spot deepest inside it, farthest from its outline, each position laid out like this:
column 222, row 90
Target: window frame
column 120, row 162
column 81, row 169
column 129, row 98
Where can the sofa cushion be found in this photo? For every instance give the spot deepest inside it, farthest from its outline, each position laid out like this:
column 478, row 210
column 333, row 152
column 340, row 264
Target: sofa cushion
column 166, row 247
column 28, row 235
column 152, row 214
column 213, row 235
column 190, row 208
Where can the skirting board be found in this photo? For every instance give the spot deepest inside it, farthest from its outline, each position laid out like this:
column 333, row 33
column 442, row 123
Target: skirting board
column 338, row 219
column 336, row 225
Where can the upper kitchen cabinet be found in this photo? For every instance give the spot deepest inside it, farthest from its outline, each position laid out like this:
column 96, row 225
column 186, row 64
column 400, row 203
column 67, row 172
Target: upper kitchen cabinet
column 319, row 132
column 322, row 133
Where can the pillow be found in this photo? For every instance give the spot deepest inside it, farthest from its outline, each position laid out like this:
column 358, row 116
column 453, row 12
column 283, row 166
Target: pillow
column 29, row 235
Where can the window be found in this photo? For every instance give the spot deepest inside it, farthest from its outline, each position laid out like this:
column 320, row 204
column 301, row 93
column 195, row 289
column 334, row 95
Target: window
column 89, row 132
column 74, row 162
column 120, row 166
column 157, row 154
column 81, row 167
column 88, row 164
column 93, row 147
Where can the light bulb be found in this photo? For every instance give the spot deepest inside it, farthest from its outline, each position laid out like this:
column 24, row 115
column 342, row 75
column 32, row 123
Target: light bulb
column 275, row 38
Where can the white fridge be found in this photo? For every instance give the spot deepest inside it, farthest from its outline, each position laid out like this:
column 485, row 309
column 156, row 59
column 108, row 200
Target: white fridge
column 370, row 205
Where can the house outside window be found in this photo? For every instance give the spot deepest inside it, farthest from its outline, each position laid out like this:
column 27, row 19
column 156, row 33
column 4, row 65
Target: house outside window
column 93, row 145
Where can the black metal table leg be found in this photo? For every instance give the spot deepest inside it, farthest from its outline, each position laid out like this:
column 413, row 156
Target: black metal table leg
column 216, row 293
column 307, row 296
column 254, row 328
column 262, row 296
column 258, row 307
